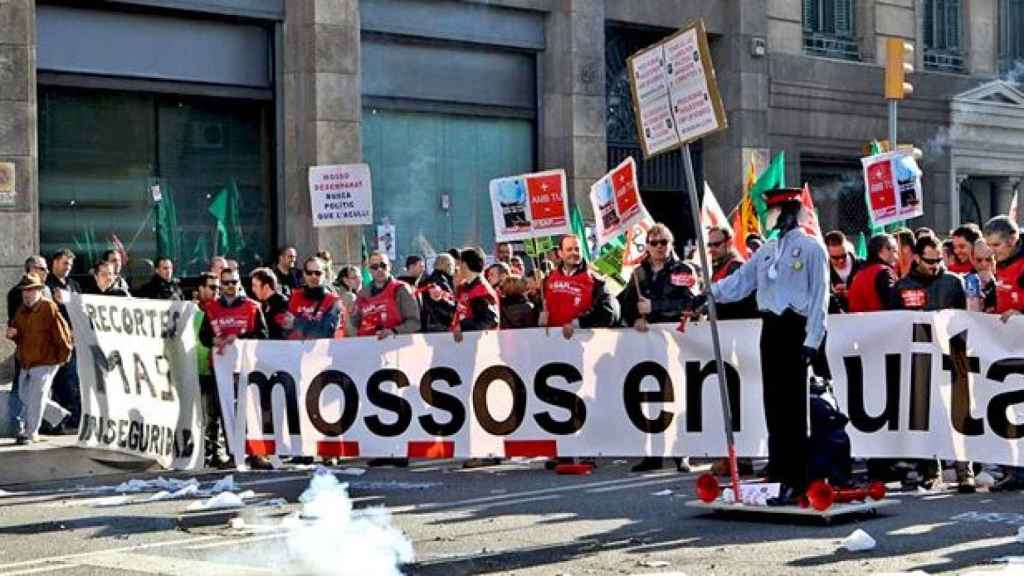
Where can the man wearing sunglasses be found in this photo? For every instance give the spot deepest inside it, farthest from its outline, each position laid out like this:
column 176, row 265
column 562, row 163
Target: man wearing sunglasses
column 313, row 311
column 929, row 286
column 725, row 262
column 843, row 265
column 216, row 449
column 386, row 306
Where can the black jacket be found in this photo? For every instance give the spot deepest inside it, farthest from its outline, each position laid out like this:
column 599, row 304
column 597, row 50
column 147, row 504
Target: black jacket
column 273, row 309
column 517, row 311
column 942, row 292
column 287, row 282
column 116, row 289
column 69, row 285
column 484, row 312
column 437, row 316
column 159, row 289
column 670, row 291
column 746, row 308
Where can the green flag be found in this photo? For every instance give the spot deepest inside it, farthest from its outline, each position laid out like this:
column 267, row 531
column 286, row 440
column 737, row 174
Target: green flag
column 862, row 247
column 580, row 230
column 364, row 258
column 167, row 244
column 225, row 210
column 773, row 177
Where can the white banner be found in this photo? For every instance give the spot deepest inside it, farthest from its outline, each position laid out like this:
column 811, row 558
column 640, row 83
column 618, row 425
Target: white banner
column 915, row 385
column 341, row 195
column 137, row 368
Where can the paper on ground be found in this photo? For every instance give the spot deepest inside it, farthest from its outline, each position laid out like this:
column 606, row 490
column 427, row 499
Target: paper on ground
column 222, row 501
column 665, row 492
column 859, row 541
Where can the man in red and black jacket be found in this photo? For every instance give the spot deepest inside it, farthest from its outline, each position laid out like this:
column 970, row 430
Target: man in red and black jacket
column 313, row 311
column 725, row 262
column 573, row 296
column 386, row 306
column 476, row 302
column 929, row 286
column 872, row 287
column 963, row 239
column 232, row 316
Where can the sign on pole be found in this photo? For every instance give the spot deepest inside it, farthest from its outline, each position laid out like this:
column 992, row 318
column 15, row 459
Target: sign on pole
column 615, row 199
column 675, row 94
column 892, row 183
column 530, row 206
column 341, row 195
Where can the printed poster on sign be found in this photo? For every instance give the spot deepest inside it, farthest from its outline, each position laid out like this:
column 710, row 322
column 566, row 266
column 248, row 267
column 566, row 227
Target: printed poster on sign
column 341, row 195
column 675, row 93
column 7, row 191
column 615, row 199
column 892, row 183
column 386, row 241
column 530, row 206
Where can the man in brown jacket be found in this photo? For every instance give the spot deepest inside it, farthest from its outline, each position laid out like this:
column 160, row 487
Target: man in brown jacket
column 44, row 344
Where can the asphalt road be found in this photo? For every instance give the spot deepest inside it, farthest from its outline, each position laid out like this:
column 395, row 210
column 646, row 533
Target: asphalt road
column 510, row 519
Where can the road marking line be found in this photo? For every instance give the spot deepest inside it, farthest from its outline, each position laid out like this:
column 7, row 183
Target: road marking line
column 631, row 486
column 439, row 505
column 72, row 557
column 240, row 541
column 169, row 565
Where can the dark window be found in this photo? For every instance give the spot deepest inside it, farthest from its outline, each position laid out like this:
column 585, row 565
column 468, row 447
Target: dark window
column 107, row 157
column 830, row 29
column 943, row 24
column 1011, row 34
column 838, row 188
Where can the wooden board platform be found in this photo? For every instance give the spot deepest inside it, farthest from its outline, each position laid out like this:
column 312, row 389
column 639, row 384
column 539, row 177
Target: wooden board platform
column 837, row 510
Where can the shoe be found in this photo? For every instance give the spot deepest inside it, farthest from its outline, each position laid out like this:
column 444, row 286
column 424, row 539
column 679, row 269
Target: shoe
column 259, row 463
column 683, row 465
column 480, row 462
column 301, row 460
column 22, row 441
column 965, row 478
column 649, row 464
column 787, row 497
column 396, row 462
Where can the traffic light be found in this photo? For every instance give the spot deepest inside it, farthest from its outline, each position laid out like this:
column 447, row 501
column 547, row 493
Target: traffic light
column 899, row 59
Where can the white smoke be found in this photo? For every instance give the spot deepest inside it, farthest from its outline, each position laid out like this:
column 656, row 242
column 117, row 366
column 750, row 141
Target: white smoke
column 1016, row 74
column 328, row 540
column 328, row 537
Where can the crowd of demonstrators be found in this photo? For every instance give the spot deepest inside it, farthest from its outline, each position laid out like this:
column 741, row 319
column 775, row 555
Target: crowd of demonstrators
column 461, row 291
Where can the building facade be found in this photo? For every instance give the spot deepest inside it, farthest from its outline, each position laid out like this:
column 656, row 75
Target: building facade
column 108, row 106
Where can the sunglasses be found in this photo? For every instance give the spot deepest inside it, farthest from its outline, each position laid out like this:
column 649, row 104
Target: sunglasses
column 716, row 244
column 931, row 261
column 314, row 272
column 381, row 266
column 839, row 258
column 658, row 242
column 229, row 282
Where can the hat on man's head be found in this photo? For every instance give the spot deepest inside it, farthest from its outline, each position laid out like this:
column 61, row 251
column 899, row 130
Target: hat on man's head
column 30, row 282
column 777, row 196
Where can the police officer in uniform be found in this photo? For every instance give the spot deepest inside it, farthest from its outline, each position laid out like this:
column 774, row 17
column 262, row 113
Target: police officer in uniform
column 791, row 277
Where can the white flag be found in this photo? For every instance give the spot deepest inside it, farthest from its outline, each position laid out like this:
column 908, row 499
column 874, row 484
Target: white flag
column 1013, row 208
column 711, row 213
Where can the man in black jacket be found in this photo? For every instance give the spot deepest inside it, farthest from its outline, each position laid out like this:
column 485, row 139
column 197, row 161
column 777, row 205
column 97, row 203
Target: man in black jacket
column 438, row 302
column 273, row 303
column 163, row 285
column 66, row 387
column 929, row 286
column 843, row 265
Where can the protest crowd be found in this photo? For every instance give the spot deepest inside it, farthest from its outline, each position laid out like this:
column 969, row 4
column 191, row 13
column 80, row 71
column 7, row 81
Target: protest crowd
column 464, row 290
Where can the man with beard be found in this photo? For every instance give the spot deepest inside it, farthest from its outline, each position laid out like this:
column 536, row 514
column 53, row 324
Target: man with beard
column 573, row 296
column 313, row 311
column 272, row 302
column 790, row 275
column 163, row 285
column 963, row 239
column 43, row 341
column 725, row 262
column 658, row 292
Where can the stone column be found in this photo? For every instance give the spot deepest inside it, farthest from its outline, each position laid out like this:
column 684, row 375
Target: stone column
column 1004, row 193
column 573, row 131
column 19, row 232
column 322, row 110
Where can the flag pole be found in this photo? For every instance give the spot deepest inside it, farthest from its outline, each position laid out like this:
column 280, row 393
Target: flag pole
column 691, row 182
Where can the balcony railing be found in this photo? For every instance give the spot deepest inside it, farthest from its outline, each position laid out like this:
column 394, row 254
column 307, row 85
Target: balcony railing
column 944, row 60
column 831, row 46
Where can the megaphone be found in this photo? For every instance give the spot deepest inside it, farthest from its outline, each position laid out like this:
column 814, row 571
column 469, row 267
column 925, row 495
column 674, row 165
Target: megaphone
column 821, row 496
column 708, row 489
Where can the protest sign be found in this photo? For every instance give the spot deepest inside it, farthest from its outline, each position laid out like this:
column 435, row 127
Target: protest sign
column 386, row 240
column 892, row 183
column 341, row 195
column 8, row 192
column 530, row 206
column 137, row 368
column 615, row 199
column 907, row 380
column 675, row 93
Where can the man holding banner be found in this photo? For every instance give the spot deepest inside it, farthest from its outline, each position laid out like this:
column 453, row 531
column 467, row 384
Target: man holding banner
column 573, row 296
column 790, row 275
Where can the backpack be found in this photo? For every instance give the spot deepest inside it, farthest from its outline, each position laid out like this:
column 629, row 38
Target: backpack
column 829, row 450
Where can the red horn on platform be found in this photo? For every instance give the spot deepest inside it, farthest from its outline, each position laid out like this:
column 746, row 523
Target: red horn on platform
column 708, row 488
column 821, row 496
